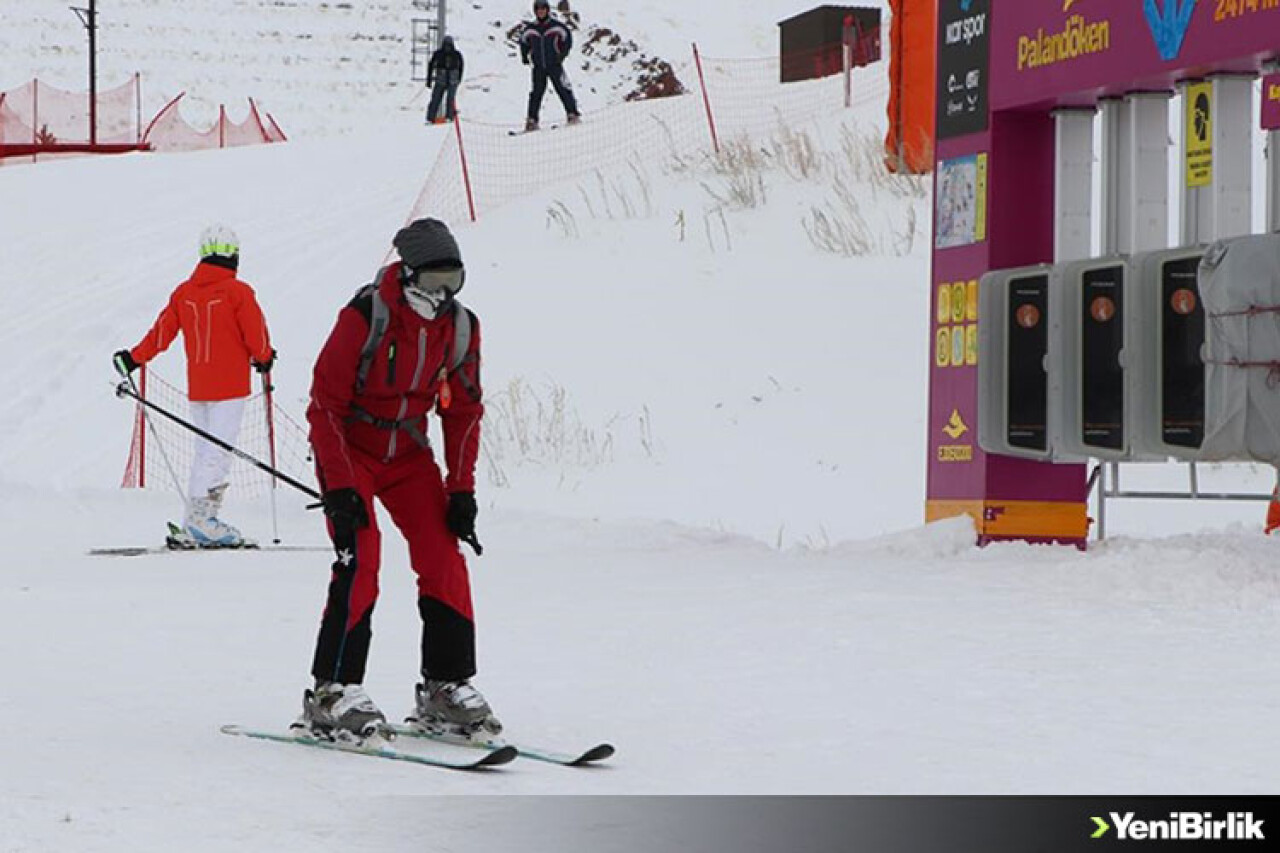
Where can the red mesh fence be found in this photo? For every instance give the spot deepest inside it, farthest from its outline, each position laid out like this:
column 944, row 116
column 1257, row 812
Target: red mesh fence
column 38, row 116
column 162, row 443
column 482, row 166
column 169, row 131
column 12, row 130
column 37, row 113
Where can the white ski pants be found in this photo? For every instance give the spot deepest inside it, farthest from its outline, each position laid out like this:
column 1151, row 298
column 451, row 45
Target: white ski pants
column 211, row 465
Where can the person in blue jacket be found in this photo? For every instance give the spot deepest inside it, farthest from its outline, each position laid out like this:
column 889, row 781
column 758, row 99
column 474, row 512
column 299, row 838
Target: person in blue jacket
column 544, row 44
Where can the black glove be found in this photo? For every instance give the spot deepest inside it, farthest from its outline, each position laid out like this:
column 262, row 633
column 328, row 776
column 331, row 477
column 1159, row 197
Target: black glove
column 460, row 517
column 123, row 362
column 347, row 512
column 265, row 366
column 524, row 60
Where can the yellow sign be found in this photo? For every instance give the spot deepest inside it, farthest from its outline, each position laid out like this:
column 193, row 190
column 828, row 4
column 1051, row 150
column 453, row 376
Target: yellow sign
column 1198, row 106
column 1077, row 38
column 958, row 298
column 957, row 302
column 956, row 426
column 980, row 202
column 955, row 453
column 955, row 429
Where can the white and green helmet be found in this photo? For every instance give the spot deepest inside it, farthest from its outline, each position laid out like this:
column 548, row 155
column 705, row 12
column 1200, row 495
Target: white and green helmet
column 219, row 240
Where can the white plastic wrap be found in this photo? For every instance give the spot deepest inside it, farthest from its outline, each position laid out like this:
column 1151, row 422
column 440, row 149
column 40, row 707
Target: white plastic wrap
column 1240, row 285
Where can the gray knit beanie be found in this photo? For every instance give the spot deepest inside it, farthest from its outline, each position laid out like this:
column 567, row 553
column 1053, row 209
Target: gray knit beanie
column 427, row 244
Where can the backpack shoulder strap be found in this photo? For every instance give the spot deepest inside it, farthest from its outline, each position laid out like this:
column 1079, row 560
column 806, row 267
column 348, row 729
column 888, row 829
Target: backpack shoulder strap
column 461, row 335
column 379, row 317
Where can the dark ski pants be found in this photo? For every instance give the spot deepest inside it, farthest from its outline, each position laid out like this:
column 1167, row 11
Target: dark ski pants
column 412, row 491
column 560, row 80
column 438, row 93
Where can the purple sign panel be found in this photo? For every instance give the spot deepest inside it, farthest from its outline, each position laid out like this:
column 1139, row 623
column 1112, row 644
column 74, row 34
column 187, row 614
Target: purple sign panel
column 1051, row 50
column 1271, row 102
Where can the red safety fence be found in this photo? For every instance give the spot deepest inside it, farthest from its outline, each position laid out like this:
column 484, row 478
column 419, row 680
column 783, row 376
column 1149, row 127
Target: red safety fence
column 36, row 112
column 169, row 131
column 160, row 453
column 42, row 122
column 482, row 167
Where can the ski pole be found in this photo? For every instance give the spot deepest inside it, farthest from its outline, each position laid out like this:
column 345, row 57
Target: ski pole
column 124, row 390
column 271, row 445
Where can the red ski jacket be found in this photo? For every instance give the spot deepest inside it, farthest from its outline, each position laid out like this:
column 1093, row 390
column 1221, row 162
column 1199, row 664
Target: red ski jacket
column 222, row 329
column 407, row 378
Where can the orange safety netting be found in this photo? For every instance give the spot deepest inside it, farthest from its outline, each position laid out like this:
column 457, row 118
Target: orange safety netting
column 37, row 113
column 161, row 451
column 44, row 122
column 169, row 131
column 480, row 166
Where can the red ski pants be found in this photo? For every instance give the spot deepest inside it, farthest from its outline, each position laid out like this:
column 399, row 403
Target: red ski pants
column 412, row 491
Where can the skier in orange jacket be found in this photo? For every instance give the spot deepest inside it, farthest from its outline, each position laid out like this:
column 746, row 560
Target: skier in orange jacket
column 224, row 333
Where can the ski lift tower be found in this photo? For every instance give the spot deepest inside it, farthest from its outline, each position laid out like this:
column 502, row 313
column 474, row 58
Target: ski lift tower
column 89, row 17
column 428, row 32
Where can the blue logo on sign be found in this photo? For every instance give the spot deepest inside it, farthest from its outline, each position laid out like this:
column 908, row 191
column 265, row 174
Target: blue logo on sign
column 1169, row 25
column 965, row 4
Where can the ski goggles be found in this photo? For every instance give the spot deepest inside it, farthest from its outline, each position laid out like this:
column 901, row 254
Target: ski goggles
column 433, row 282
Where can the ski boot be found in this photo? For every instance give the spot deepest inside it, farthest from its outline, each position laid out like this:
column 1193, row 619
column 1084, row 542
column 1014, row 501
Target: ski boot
column 342, row 712
column 453, row 709
column 203, row 528
column 530, row 125
column 575, row 118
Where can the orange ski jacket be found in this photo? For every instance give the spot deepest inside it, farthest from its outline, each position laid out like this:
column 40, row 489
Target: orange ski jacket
column 223, row 330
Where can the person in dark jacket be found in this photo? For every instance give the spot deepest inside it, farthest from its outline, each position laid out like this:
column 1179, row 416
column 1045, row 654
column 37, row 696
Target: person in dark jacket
column 444, row 75
column 397, row 353
column 544, row 44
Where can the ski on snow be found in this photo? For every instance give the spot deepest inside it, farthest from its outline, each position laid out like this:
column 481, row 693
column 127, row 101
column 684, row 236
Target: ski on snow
column 599, row 752
column 492, row 757
column 178, row 542
column 144, row 550
column 522, row 131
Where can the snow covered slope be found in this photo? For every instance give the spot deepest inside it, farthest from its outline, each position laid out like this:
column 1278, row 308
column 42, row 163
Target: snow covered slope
column 672, row 399
column 325, row 67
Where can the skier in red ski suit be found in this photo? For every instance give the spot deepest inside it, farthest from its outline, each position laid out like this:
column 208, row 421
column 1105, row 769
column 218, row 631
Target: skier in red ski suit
column 370, row 397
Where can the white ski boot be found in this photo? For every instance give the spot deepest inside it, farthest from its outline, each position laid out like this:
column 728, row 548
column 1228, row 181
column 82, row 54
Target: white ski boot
column 203, row 527
column 339, row 712
column 454, row 709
